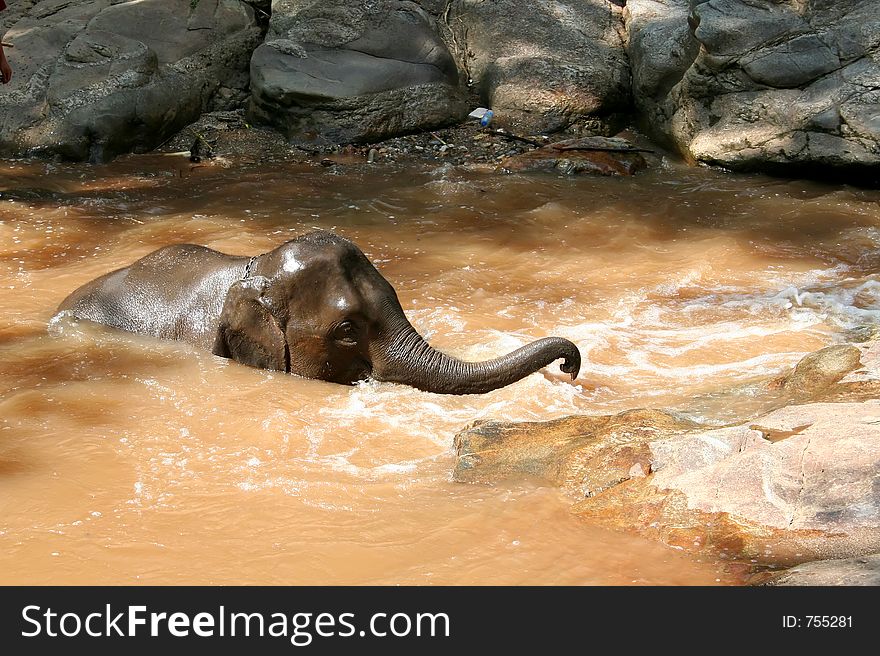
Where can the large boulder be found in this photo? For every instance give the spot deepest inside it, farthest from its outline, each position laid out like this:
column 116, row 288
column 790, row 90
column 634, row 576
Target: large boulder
column 97, row 78
column 547, row 65
column 769, row 84
column 337, row 71
column 819, row 473
column 661, row 48
column 796, row 484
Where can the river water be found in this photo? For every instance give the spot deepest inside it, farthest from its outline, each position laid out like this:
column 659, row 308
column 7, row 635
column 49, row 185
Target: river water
column 125, row 459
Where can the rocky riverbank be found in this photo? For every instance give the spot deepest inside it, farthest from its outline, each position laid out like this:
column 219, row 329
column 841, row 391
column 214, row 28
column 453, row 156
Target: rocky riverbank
column 469, row 146
column 788, row 87
column 796, row 484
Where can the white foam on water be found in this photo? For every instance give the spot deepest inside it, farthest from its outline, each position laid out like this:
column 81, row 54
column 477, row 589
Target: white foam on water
column 63, row 324
column 837, row 304
column 641, row 328
column 847, row 304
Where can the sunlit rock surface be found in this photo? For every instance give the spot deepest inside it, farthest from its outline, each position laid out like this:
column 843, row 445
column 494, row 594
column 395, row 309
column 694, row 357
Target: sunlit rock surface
column 339, row 72
column 97, row 78
column 770, row 84
column 796, row 484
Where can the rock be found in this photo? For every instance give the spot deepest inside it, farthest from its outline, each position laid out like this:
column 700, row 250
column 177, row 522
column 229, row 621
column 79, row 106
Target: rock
column 862, row 384
column 864, row 570
column 821, row 369
column 810, row 494
column 596, row 155
column 583, row 454
column 264, row 6
column 797, row 484
column 98, row 78
column 545, row 66
column 342, row 72
column 200, row 149
column 660, row 46
column 761, row 85
column 820, row 477
column 489, row 451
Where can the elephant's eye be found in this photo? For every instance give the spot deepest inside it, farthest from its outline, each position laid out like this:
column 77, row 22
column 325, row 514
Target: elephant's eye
column 346, row 332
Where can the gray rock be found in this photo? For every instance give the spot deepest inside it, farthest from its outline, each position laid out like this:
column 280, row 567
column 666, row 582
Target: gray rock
column 339, row 71
column 864, row 570
column 436, row 7
column 545, row 66
column 264, row 6
column 791, row 63
column 660, row 46
column 98, row 78
column 765, row 84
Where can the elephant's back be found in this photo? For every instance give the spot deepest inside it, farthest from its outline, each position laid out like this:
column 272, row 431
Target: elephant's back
column 176, row 292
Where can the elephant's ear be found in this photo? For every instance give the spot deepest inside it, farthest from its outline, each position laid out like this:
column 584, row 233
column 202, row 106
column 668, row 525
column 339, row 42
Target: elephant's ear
column 248, row 331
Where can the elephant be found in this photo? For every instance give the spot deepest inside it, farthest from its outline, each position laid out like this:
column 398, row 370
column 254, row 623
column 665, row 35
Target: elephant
column 314, row 306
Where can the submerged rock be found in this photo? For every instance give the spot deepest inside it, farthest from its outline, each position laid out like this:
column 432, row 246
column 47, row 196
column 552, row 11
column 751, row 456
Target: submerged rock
column 545, row 66
column 98, row 78
column 595, row 155
column 340, row 72
column 864, row 570
column 760, row 85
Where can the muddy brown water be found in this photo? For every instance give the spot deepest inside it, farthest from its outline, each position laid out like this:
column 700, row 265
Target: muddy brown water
column 130, row 460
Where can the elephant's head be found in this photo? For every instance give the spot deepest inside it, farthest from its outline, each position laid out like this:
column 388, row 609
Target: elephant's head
column 317, row 307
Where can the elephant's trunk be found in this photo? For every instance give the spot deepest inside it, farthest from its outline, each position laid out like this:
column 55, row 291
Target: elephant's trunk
column 409, row 359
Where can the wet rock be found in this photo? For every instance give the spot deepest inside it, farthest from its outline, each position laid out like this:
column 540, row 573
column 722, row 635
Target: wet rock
column 861, row 383
column 97, row 78
column 200, row 149
column 864, row 570
column 342, row 72
column 760, row 85
column 796, row 484
column 583, row 454
column 595, row 155
column 490, row 451
column 544, row 67
column 821, row 369
column 230, row 135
